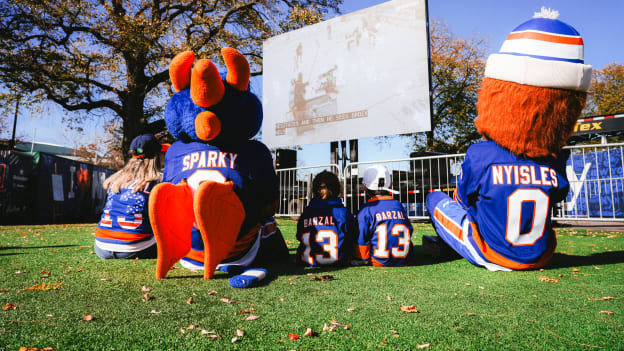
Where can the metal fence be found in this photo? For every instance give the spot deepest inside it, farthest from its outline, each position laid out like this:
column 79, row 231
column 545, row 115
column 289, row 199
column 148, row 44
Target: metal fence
column 595, row 173
column 295, row 186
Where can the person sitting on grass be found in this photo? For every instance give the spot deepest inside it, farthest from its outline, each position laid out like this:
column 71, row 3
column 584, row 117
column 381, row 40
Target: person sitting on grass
column 326, row 229
column 124, row 230
column 383, row 224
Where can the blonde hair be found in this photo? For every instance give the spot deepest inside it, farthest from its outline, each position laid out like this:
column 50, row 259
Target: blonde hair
column 136, row 171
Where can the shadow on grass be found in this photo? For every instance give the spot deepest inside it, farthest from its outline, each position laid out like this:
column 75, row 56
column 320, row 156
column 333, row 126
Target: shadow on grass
column 34, row 247
column 560, row 260
column 28, row 247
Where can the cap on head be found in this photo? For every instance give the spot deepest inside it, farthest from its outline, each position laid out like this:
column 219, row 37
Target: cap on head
column 145, row 146
column 543, row 52
column 378, row 177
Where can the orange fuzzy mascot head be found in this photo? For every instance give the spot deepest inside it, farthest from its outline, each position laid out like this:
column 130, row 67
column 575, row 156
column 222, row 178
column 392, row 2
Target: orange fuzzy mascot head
column 535, row 88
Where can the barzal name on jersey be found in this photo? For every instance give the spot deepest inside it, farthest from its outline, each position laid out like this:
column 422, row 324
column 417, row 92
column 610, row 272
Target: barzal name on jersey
column 509, row 199
column 124, row 225
column 384, row 228
column 248, row 165
column 326, row 231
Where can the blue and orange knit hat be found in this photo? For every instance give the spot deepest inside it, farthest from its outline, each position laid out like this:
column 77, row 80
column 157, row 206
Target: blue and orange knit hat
column 542, row 52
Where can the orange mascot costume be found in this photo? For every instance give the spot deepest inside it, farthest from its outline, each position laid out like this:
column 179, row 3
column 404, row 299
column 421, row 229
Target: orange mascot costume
column 530, row 99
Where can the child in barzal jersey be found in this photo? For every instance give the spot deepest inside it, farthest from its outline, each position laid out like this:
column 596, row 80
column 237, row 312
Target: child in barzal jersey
column 385, row 231
column 124, row 231
column 326, row 229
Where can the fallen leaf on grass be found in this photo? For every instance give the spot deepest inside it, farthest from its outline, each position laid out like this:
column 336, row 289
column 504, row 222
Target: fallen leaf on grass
column 282, row 299
column 43, row 287
column 212, row 292
column 45, row 274
column 190, row 300
column 601, row 299
column 146, row 297
column 9, row 306
column 350, row 309
column 323, row 277
column 575, row 270
column 294, row 278
column 155, row 312
column 240, row 333
column 334, row 325
column 251, row 317
column 144, row 289
column 409, row 309
column 87, row 318
column 246, row 311
column 607, row 312
column 468, row 284
column 293, row 336
column 24, row 348
column 234, row 340
column 423, row 346
column 20, row 272
column 104, row 279
column 309, row 332
column 226, row 300
column 4, row 291
column 389, row 298
column 548, row 280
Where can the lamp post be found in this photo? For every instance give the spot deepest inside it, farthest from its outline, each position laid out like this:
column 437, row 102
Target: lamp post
column 12, row 145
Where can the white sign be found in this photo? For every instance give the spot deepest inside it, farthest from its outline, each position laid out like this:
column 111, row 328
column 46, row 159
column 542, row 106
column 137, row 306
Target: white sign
column 360, row 75
column 57, row 187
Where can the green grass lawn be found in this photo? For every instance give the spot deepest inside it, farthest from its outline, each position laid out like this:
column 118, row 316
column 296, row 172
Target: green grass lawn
column 78, row 301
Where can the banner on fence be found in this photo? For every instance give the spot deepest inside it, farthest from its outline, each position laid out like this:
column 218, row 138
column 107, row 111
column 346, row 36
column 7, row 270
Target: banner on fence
column 596, row 185
column 15, row 192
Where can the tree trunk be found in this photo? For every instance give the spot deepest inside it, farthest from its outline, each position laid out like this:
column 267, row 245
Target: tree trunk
column 430, row 140
column 134, row 121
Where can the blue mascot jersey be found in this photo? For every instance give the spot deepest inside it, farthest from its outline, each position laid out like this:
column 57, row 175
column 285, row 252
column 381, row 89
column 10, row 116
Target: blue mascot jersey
column 510, row 199
column 386, row 230
column 248, row 165
column 326, row 231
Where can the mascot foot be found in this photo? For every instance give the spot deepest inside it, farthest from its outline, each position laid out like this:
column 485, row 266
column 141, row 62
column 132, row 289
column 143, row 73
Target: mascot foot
column 219, row 215
column 249, row 278
column 171, row 216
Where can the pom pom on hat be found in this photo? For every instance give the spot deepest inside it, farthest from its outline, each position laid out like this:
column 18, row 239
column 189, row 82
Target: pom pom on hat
column 543, row 52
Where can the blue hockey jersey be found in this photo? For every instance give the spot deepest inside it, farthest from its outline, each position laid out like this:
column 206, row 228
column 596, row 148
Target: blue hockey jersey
column 386, row 230
column 509, row 200
column 125, row 225
column 326, row 231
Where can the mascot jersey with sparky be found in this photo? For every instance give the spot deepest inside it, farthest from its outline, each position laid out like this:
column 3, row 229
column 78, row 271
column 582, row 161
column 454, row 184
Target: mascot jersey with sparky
column 219, row 185
column 532, row 94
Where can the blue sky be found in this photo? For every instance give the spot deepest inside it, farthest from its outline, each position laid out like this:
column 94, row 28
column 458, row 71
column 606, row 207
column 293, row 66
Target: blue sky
column 599, row 22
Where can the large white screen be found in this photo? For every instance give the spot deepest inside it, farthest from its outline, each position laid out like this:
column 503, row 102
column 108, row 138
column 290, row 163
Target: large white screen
column 360, row 75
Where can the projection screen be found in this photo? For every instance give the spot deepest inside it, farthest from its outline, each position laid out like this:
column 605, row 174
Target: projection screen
column 360, row 75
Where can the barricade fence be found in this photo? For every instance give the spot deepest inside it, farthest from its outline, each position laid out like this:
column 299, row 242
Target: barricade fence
column 295, row 187
column 595, row 174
